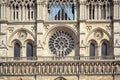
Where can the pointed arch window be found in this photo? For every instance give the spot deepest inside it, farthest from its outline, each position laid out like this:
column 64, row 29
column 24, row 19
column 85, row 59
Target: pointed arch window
column 61, row 10
column 92, row 51
column 16, row 51
column 29, row 50
column 104, row 50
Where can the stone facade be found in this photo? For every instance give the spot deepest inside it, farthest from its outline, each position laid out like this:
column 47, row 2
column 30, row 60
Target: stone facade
column 82, row 36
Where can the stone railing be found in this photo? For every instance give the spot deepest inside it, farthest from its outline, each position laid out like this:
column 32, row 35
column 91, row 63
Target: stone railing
column 54, row 58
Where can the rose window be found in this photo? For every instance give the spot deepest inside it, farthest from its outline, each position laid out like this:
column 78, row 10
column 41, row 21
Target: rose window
column 61, row 43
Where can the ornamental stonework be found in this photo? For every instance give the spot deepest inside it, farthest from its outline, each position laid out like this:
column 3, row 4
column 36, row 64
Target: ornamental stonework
column 22, row 35
column 98, row 34
column 61, row 43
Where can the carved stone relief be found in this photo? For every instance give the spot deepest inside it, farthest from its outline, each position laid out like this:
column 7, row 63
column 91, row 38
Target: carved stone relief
column 108, row 27
column 117, row 40
column 22, row 34
column 39, row 44
column 98, row 34
column 46, row 26
column 3, row 53
column 10, row 29
column 33, row 28
column 89, row 28
column 82, row 44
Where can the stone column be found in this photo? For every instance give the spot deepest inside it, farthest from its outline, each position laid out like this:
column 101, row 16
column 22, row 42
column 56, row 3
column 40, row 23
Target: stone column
column 23, row 13
column 119, row 10
column 99, row 12
column 14, row 13
column 40, row 11
column 75, row 12
column 83, row 11
column 38, row 6
column 5, row 12
column 44, row 11
column 96, row 12
column 85, row 15
column 88, row 12
column 2, row 11
column 116, row 10
column 19, row 13
column 8, row 13
column 115, row 7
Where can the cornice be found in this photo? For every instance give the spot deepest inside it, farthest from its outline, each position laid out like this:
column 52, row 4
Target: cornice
column 60, row 21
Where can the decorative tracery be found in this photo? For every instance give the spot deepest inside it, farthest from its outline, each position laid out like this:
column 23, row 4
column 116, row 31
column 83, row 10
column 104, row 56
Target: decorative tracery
column 99, row 9
column 22, row 9
column 61, row 43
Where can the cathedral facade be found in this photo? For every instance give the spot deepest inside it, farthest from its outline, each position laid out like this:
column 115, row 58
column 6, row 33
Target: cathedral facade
column 59, row 39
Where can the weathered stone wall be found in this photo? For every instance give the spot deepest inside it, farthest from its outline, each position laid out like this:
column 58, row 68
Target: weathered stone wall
column 82, row 77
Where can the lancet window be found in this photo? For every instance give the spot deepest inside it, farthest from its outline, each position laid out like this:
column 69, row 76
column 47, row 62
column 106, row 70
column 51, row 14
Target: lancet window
column 29, row 50
column 61, row 9
column 16, row 51
column 104, row 50
column 92, row 50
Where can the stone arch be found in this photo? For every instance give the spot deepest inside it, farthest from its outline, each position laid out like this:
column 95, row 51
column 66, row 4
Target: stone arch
column 64, row 28
column 60, row 78
column 98, row 29
column 33, row 44
column 18, row 30
column 94, row 42
column 16, row 41
column 108, row 46
column 106, row 41
column 28, row 41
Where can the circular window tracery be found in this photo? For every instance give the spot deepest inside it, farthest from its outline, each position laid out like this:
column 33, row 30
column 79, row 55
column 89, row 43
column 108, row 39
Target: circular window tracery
column 61, row 43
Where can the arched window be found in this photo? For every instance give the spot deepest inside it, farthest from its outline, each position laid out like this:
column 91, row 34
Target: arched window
column 92, row 51
column 29, row 50
column 16, row 51
column 104, row 50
